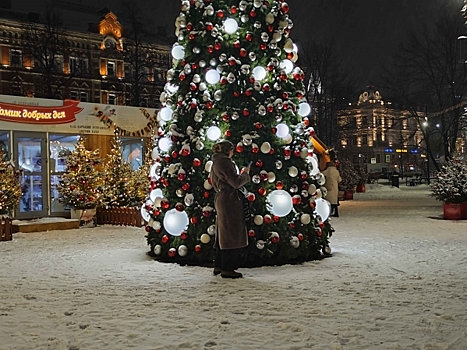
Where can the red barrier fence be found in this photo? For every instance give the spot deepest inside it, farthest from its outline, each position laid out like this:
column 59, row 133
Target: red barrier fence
column 5, row 229
column 119, row 216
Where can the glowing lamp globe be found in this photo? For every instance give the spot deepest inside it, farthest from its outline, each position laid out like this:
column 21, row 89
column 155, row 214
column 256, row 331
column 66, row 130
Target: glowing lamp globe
column 164, row 144
column 287, row 66
column 304, row 109
column 166, row 114
column 178, row 52
column 230, row 26
column 259, row 73
column 175, row 222
column 282, row 130
column 213, row 133
column 212, row 76
column 280, row 203
column 323, row 208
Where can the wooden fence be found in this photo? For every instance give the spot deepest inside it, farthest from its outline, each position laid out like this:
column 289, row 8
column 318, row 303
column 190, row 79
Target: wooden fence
column 5, row 229
column 119, row 216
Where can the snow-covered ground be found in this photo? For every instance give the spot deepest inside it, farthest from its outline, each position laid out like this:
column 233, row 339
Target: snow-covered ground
column 397, row 280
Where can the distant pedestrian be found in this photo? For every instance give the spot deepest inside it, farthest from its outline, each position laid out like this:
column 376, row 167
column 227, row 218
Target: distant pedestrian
column 333, row 178
column 231, row 233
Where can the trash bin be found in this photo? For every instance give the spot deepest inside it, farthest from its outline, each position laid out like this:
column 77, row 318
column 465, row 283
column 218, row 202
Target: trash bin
column 395, row 180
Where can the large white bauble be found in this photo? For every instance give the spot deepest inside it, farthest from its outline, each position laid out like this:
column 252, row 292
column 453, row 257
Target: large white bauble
column 212, row 76
column 287, row 66
column 323, row 208
column 164, row 144
column 182, row 250
column 175, row 222
column 258, row 220
column 155, row 153
column 259, row 73
column 305, row 219
column 314, row 166
column 304, row 109
column 265, row 147
column 144, row 213
column 279, row 203
column 282, row 130
column 269, row 18
column 178, row 52
column 213, row 133
column 156, row 193
column 166, row 114
column 205, row 238
column 154, row 170
column 230, row 26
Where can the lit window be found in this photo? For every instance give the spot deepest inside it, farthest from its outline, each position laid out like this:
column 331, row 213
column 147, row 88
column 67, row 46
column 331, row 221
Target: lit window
column 16, row 59
column 111, row 68
column 112, row 99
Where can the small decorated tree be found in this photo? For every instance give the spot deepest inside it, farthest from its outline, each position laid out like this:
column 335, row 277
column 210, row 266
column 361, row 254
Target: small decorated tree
column 451, row 186
column 10, row 187
column 123, row 186
column 81, row 186
column 349, row 175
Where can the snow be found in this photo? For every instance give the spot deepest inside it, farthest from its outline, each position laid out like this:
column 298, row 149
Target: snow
column 397, row 280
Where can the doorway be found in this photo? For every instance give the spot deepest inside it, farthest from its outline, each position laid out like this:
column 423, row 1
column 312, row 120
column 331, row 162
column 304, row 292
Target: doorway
column 30, row 149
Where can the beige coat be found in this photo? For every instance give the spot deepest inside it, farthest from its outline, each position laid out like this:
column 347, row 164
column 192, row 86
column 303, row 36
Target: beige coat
column 231, row 227
column 332, row 183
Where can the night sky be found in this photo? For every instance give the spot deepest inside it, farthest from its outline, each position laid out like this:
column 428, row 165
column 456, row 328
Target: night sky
column 366, row 30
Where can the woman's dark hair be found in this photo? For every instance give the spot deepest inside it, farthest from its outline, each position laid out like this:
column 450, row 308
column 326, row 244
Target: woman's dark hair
column 223, row 146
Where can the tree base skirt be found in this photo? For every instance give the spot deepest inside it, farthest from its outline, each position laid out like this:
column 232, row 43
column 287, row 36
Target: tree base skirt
column 455, row 211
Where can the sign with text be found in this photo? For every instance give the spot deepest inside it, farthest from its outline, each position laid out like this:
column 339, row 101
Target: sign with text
column 70, row 116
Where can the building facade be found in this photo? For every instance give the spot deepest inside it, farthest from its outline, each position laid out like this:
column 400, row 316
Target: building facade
column 85, row 79
column 385, row 138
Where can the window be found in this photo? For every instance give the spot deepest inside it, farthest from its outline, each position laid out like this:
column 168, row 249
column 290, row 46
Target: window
column 83, row 96
column 364, row 120
column 16, row 58
column 58, row 62
column 112, row 99
column 84, row 64
column 354, row 140
column 111, row 68
column 74, row 95
column 364, row 140
column 78, row 65
column 73, row 63
column 132, row 151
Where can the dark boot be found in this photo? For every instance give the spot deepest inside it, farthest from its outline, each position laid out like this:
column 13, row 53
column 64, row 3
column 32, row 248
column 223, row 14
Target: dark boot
column 336, row 211
column 231, row 274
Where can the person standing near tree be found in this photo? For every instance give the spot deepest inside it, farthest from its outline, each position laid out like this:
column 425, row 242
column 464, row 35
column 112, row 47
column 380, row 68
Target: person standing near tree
column 231, row 233
column 333, row 178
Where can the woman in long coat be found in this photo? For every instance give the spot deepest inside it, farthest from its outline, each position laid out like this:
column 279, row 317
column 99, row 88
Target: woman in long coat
column 333, row 178
column 231, row 233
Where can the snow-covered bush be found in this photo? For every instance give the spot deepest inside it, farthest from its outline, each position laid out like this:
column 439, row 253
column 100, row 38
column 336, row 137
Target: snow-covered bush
column 451, row 184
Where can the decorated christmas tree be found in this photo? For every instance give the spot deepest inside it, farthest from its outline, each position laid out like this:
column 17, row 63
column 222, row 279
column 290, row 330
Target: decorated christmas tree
column 80, row 187
column 234, row 77
column 10, row 188
column 451, row 186
column 349, row 175
column 123, row 186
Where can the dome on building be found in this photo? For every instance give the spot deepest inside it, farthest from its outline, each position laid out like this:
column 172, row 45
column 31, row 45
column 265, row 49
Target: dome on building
column 370, row 95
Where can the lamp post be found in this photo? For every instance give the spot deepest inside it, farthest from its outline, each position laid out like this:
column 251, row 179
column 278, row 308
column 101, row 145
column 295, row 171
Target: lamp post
column 428, row 152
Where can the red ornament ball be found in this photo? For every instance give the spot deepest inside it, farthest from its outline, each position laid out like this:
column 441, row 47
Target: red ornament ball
column 165, row 239
column 261, row 191
column 251, row 233
column 279, row 185
column 196, row 162
column 198, row 248
column 267, row 219
column 194, row 220
column 300, row 237
column 184, row 235
column 251, row 197
column 172, row 252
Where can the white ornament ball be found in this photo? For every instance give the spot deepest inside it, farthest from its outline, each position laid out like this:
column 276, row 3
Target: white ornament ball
column 293, row 171
column 323, row 208
column 207, row 185
column 157, row 249
column 271, row 177
column 175, row 222
column 212, row 230
column 260, row 244
column 205, row 238
column 265, row 147
column 305, row 219
column 258, row 220
column 279, row 203
column 208, row 166
column 182, row 250
column 312, row 189
column 294, row 242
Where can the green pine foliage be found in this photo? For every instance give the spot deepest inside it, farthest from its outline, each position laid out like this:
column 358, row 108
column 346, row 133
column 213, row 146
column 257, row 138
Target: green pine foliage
column 451, row 184
column 81, row 185
column 247, row 108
